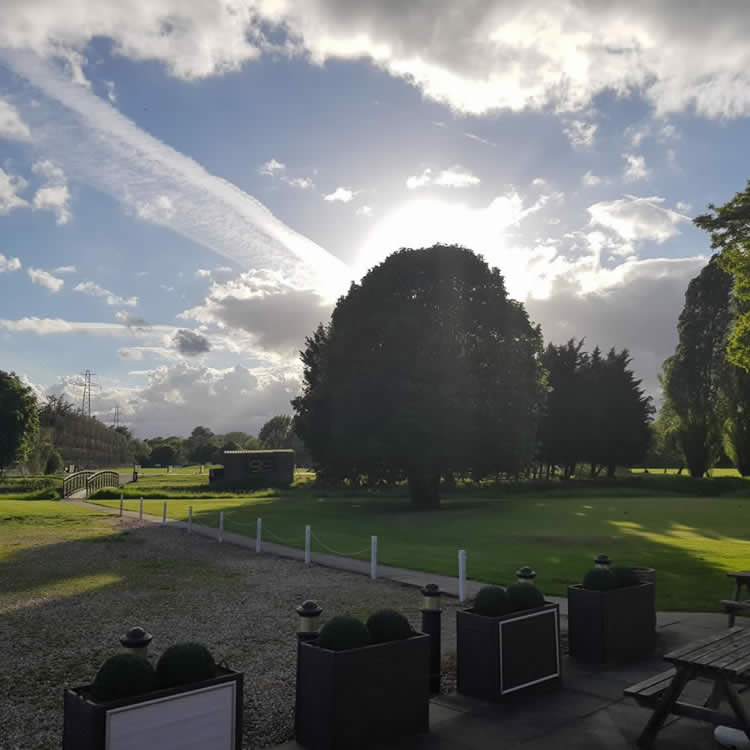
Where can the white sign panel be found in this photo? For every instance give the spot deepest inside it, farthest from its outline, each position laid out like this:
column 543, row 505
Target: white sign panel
column 196, row 720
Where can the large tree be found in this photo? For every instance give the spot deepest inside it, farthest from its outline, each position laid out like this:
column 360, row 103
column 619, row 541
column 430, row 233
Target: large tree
column 277, row 432
column 729, row 226
column 693, row 375
column 19, row 420
column 427, row 367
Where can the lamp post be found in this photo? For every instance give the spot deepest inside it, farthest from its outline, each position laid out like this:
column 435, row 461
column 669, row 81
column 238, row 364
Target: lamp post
column 137, row 640
column 431, row 615
column 307, row 628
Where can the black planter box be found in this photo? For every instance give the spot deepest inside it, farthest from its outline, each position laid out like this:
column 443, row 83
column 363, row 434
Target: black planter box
column 618, row 625
column 500, row 656
column 201, row 715
column 351, row 699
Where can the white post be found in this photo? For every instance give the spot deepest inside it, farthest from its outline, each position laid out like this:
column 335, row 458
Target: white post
column 164, row 514
column 221, row 526
column 121, row 505
column 190, row 520
column 258, row 535
column 461, row 575
column 308, row 544
column 140, row 512
column 373, row 557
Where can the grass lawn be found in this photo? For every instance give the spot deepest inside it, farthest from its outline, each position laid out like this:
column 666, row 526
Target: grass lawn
column 691, row 541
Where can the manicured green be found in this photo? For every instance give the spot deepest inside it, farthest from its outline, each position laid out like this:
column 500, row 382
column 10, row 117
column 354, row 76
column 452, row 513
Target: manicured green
column 691, row 541
column 184, row 663
column 388, row 625
column 524, row 596
column 492, row 601
column 343, row 632
column 122, row 676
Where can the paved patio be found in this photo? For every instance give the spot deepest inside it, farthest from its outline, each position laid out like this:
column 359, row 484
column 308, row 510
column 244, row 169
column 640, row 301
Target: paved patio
column 590, row 710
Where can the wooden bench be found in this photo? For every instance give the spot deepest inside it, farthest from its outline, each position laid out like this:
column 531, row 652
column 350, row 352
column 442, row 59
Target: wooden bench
column 649, row 692
column 732, row 607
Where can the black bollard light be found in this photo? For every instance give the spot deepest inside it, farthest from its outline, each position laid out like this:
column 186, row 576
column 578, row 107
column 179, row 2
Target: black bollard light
column 431, row 614
column 308, row 612
column 137, row 640
column 525, row 575
column 602, row 561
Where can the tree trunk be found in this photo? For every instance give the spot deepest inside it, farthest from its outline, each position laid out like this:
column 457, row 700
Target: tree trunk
column 424, row 488
column 611, row 468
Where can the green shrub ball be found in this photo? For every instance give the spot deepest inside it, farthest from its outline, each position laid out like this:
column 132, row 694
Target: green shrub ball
column 525, row 596
column 123, row 676
column 600, row 579
column 492, row 601
column 625, row 577
column 388, row 625
column 342, row 633
column 184, row 663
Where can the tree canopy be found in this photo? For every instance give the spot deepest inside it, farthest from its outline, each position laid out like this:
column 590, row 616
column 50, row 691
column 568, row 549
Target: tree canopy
column 19, row 420
column 729, row 226
column 426, row 367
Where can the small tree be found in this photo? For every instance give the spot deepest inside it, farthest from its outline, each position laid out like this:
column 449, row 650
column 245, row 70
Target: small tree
column 276, row 433
column 19, row 420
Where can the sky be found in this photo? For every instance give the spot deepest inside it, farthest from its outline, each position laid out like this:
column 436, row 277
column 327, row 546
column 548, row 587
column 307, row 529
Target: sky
column 187, row 187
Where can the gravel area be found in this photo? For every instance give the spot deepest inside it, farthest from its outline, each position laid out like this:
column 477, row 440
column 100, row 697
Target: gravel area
column 180, row 588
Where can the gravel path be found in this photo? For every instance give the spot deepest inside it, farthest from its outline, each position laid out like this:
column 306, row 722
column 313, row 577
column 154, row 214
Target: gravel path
column 180, row 588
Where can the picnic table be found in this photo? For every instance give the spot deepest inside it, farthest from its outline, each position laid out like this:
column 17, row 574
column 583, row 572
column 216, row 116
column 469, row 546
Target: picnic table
column 723, row 659
column 735, row 604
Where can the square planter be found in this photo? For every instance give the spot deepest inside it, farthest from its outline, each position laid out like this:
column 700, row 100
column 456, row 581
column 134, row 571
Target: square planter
column 500, row 656
column 351, row 699
column 618, row 625
column 206, row 714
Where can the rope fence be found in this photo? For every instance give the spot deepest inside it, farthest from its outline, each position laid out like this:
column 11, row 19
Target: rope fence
column 224, row 521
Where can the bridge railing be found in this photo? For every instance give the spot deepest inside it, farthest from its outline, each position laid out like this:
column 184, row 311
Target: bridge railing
column 74, row 482
column 101, row 479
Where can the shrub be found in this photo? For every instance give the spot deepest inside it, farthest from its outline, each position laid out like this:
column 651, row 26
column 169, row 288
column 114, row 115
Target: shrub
column 54, row 463
column 123, row 676
column 525, row 596
column 388, row 625
column 342, row 633
column 492, row 601
column 625, row 576
column 600, row 579
column 184, row 663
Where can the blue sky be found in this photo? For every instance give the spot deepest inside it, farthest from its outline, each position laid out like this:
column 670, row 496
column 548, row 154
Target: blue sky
column 187, row 187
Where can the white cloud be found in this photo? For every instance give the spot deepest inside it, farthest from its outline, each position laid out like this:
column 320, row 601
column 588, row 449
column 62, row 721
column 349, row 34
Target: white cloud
column 159, row 209
column 340, row 194
column 271, row 167
column 636, row 219
column 539, row 181
column 45, row 279
column 303, row 183
column 477, row 138
column 203, row 273
column 493, row 55
column 111, row 93
column 96, row 144
column 66, row 269
column 580, row 133
column 92, row 289
column 10, row 187
column 636, row 168
column 276, row 314
column 9, row 264
column 54, row 195
column 364, row 211
column 683, row 207
column 455, row 177
column 131, row 321
column 12, row 125
column 190, row 343
column 57, row 326
column 590, row 179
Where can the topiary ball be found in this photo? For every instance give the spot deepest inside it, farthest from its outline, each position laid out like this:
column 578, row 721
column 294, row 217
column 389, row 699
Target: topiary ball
column 525, row 596
column 123, row 676
column 388, row 625
column 343, row 632
column 600, row 579
column 492, row 601
column 184, row 663
column 625, row 576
